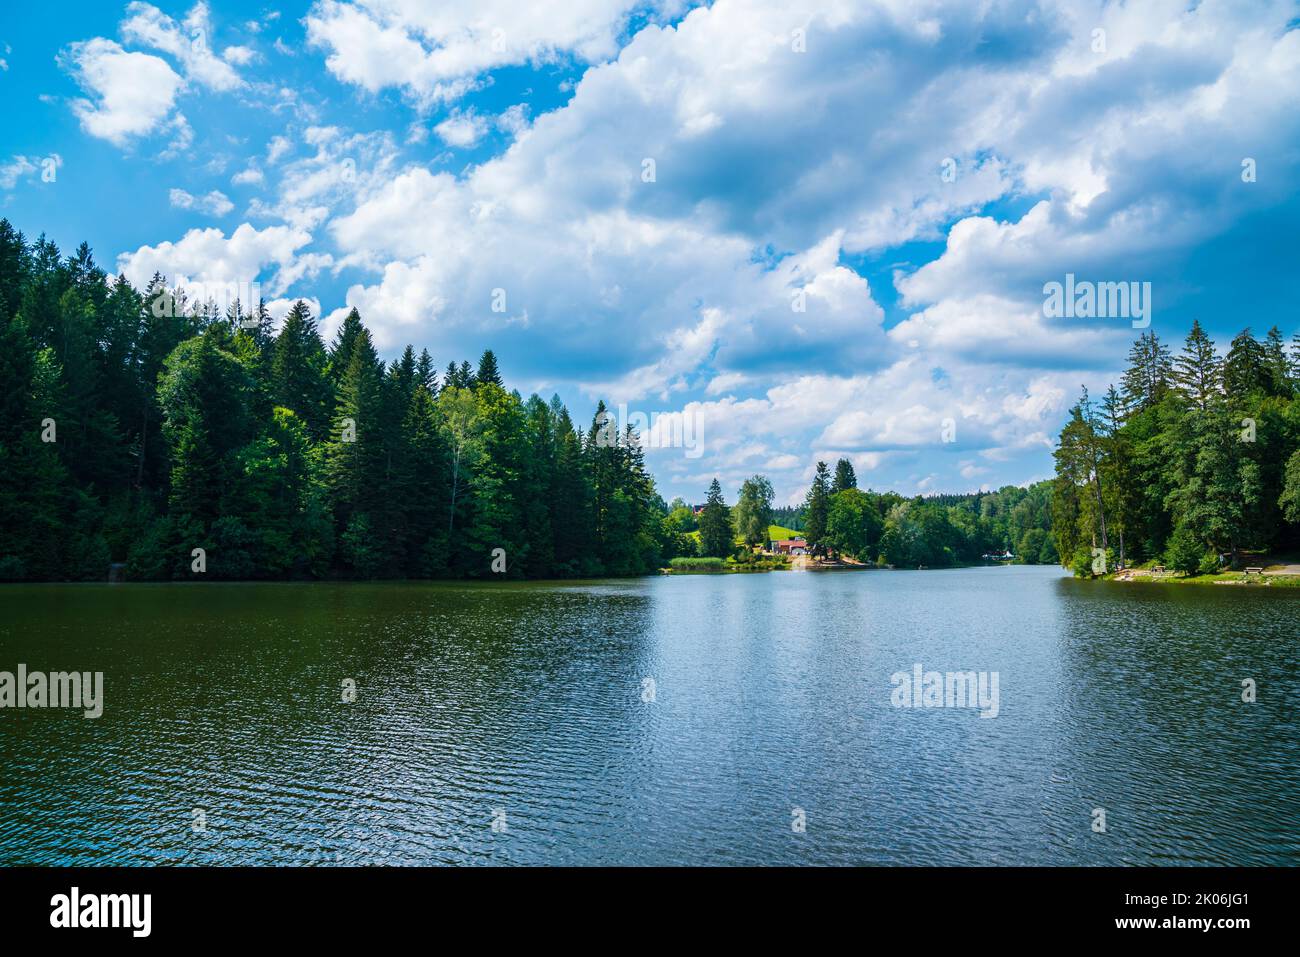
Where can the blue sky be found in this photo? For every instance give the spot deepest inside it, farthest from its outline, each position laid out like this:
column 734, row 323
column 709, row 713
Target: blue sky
column 842, row 250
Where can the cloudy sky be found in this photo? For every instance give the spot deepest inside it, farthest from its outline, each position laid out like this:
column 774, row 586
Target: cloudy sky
column 815, row 230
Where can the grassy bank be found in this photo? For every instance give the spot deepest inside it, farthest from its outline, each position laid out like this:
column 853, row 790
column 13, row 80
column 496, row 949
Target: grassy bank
column 722, row 566
column 1222, row 578
column 1278, row 573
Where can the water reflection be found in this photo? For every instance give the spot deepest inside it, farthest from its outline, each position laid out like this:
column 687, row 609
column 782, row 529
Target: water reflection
column 771, row 693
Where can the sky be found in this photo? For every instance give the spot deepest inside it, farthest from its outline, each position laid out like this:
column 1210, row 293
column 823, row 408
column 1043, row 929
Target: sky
column 774, row 232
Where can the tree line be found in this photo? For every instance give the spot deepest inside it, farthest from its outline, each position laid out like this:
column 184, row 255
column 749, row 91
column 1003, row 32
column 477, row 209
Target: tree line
column 839, row 519
column 1193, row 461
column 142, row 429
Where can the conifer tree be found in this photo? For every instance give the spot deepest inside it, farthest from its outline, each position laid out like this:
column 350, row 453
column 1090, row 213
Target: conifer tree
column 817, row 508
column 845, row 477
column 487, row 370
column 715, row 524
column 298, row 371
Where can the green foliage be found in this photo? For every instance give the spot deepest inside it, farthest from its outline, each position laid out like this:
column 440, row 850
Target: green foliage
column 845, row 477
column 715, row 524
column 753, row 512
column 700, row 562
column 181, row 428
column 1196, row 456
column 853, row 526
column 1185, row 550
column 938, row 530
column 817, row 509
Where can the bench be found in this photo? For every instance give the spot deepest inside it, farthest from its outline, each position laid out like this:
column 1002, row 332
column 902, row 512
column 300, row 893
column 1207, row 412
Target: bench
column 1157, row 569
column 1254, row 570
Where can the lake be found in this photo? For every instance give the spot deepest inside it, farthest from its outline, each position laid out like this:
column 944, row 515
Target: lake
column 728, row 719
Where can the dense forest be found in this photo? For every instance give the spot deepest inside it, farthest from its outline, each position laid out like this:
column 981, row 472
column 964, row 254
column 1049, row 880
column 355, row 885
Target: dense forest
column 138, row 428
column 1193, row 461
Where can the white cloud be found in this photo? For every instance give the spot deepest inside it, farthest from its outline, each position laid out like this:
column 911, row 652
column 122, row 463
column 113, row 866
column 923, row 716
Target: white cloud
column 189, row 41
column 208, row 256
column 462, row 130
column 215, row 203
column 249, row 176
column 439, row 51
column 132, row 92
column 19, row 167
column 276, row 149
column 513, row 119
column 239, row 55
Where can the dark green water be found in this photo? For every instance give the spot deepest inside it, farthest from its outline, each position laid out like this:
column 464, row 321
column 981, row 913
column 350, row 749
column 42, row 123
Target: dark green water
column 772, row 692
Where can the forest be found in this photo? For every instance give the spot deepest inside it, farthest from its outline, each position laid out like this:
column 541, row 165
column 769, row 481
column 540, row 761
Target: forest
column 1193, row 461
column 170, row 439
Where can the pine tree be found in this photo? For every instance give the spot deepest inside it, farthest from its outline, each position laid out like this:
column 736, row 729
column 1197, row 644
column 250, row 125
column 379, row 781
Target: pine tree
column 1245, row 370
column 487, row 370
column 357, row 465
column 817, row 508
column 1198, row 371
column 424, row 486
column 715, row 524
column 844, row 476
column 1149, row 373
column 425, row 374
column 1280, row 380
column 340, row 351
column 298, row 371
column 572, row 520
column 1078, row 460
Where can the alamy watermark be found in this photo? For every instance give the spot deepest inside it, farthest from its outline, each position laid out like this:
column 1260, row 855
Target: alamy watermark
column 1084, row 299
column 58, row 689
column 188, row 297
column 952, row 689
column 656, row 430
column 75, row 909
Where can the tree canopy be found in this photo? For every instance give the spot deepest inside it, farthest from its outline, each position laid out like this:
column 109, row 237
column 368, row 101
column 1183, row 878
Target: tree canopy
column 174, row 427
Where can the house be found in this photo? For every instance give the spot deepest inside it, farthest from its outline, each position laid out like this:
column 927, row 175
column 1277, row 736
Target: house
column 790, row 546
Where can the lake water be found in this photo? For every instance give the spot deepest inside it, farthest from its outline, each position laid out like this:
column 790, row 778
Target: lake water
column 525, row 705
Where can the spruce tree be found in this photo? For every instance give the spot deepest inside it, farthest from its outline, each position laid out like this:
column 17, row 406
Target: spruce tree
column 298, row 371
column 845, row 477
column 817, row 508
column 487, row 370
column 716, row 538
column 1198, row 371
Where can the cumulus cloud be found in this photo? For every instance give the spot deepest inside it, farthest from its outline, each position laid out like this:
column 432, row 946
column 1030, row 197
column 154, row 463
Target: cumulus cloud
column 208, row 256
column 189, row 41
column 130, row 94
column 438, row 52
